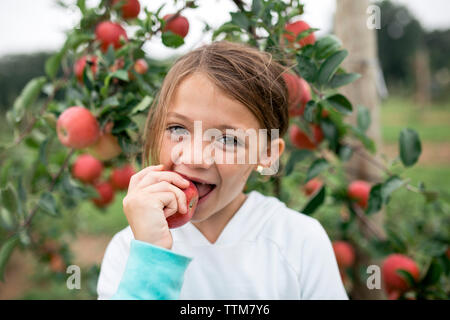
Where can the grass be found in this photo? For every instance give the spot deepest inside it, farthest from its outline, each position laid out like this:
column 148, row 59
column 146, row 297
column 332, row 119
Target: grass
column 430, row 123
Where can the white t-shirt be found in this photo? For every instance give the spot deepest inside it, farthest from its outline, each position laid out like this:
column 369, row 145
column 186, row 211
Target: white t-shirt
column 266, row 251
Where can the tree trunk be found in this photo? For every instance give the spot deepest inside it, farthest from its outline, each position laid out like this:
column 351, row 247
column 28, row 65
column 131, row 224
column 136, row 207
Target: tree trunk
column 360, row 41
column 422, row 78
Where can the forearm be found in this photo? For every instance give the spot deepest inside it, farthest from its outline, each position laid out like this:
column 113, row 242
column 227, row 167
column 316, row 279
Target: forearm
column 152, row 273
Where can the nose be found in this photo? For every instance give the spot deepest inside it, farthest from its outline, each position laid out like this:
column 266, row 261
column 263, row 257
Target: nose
column 194, row 153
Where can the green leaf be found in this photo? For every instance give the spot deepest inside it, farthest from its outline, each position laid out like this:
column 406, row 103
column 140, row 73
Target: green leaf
column 375, row 199
column 240, row 19
column 5, row 253
column 142, row 106
column 330, row 132
column 52, row 64
column 47, row 204
column 408, row 277
column 433, row 274
column 369, row 144
column 172, row 40
column 9, row 198
column 389, row 186
column 316, row 168
column 82, row 5
column 7, row 220
column 364, row 118
column 306, row 68
column 345, row 152
column 28, row 96
column 309, row 112
column 227, row 28
column 342, row 79
column 327, row 46
column 296, row 156
column 315, row 202
column 330, row 66
column 410, row 147
column 257, row 6
column 340, row 103
column 120, row 74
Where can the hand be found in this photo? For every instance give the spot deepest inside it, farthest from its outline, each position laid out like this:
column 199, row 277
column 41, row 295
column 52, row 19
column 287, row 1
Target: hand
column 153, row 195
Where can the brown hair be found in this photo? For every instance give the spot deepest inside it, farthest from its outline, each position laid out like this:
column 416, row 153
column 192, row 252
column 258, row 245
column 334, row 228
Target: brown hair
column 242, row 72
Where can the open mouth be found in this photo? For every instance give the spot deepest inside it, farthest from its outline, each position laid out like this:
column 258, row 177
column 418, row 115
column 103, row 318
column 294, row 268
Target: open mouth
column 203, row 188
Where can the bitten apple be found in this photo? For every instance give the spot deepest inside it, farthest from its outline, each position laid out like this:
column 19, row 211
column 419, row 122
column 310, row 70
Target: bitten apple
column 77, row 128
column 178, row 219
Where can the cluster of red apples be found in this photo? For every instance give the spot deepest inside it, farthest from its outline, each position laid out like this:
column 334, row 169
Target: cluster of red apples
column 78, row 128
column 394, row 283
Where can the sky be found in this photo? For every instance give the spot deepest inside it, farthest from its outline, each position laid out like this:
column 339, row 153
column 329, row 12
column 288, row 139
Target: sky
column 28, row 26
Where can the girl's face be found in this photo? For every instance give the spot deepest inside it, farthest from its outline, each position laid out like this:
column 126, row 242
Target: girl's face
column 198, row 99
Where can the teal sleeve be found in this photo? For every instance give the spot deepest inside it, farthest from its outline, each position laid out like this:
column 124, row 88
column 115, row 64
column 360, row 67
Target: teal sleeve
column 152, row 273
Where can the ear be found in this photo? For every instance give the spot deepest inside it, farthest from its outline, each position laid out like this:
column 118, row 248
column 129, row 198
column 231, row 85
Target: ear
column 269, row 164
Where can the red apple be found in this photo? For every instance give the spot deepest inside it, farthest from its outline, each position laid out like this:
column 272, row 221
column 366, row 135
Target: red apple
column 106, row 194
column 394, row 282
column 312, row 186
column 130, row 9
column 178, row 219
column 120, row 177
column 57, row 263
column 87, row 168
column 140, row 66
column 110, row 33
column 179, row 25
column 296, row 28
column 345, row 254
column 299, row 93
column 106, row 148
column 359, row 190
column 77, row 128
column 79, row 65
column 293, row 86
column 301, row 140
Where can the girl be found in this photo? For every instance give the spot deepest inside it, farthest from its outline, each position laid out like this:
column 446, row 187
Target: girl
column 237, row 245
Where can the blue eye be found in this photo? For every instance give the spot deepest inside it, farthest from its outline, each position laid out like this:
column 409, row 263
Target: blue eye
column 177, row 131
column 230, row 141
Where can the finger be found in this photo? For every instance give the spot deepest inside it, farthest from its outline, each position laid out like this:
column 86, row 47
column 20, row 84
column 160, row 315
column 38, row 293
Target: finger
column 169, row 203
column 135, row 178
column 158, row 176
column 165, row 186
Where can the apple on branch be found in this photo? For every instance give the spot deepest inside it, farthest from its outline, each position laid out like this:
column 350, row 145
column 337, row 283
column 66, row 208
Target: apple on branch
column 179, row 25
column 77, row 128
column 110, row 33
